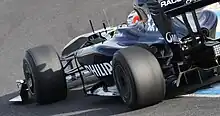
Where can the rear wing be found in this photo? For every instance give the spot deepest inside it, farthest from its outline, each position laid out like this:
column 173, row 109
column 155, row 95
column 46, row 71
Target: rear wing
column 182, row 7
column 187, row 6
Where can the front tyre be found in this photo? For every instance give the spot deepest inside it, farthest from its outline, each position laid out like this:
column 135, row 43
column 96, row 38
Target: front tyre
column 138, row 77
column 44, row 75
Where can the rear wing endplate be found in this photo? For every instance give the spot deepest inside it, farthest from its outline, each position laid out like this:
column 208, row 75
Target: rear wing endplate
column 188, row 6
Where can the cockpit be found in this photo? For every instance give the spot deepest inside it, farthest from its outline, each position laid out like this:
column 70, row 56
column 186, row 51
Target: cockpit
column 206, row 18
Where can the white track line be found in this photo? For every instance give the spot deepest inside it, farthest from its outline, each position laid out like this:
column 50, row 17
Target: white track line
column 201, row 95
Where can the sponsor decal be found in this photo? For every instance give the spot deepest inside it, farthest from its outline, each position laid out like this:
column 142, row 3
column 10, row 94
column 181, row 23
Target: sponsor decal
column 190, row 1
column 101, row 69
column 168, row 2
column 170, row 37
column 150, row 24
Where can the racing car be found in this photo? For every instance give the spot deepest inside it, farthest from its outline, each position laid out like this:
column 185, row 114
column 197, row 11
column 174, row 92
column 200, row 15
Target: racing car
column 134, row 62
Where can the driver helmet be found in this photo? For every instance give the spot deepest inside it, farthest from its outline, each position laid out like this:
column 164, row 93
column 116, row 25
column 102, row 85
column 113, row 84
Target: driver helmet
column 135, row 17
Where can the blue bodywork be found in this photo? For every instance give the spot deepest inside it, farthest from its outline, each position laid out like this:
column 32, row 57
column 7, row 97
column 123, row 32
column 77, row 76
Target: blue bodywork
column 138, row 33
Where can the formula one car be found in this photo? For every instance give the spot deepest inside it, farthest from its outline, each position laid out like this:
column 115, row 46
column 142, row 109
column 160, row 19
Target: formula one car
column 134, row 62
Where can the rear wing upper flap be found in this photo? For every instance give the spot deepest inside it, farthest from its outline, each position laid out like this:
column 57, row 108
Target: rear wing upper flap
column 188, row 6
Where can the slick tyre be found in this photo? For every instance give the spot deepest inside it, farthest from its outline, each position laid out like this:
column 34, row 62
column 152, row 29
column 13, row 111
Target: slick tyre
column 138, row 77
column 44, row 75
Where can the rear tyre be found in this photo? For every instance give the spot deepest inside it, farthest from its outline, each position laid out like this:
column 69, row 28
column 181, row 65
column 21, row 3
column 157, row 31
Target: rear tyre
column 138, row 77
column 44, row 75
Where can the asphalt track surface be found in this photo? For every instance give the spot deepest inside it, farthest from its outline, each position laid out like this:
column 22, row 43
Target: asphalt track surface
column 28, row 23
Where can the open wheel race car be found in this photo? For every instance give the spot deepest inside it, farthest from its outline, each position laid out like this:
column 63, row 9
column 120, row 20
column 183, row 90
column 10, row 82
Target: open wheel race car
column 139, row 65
